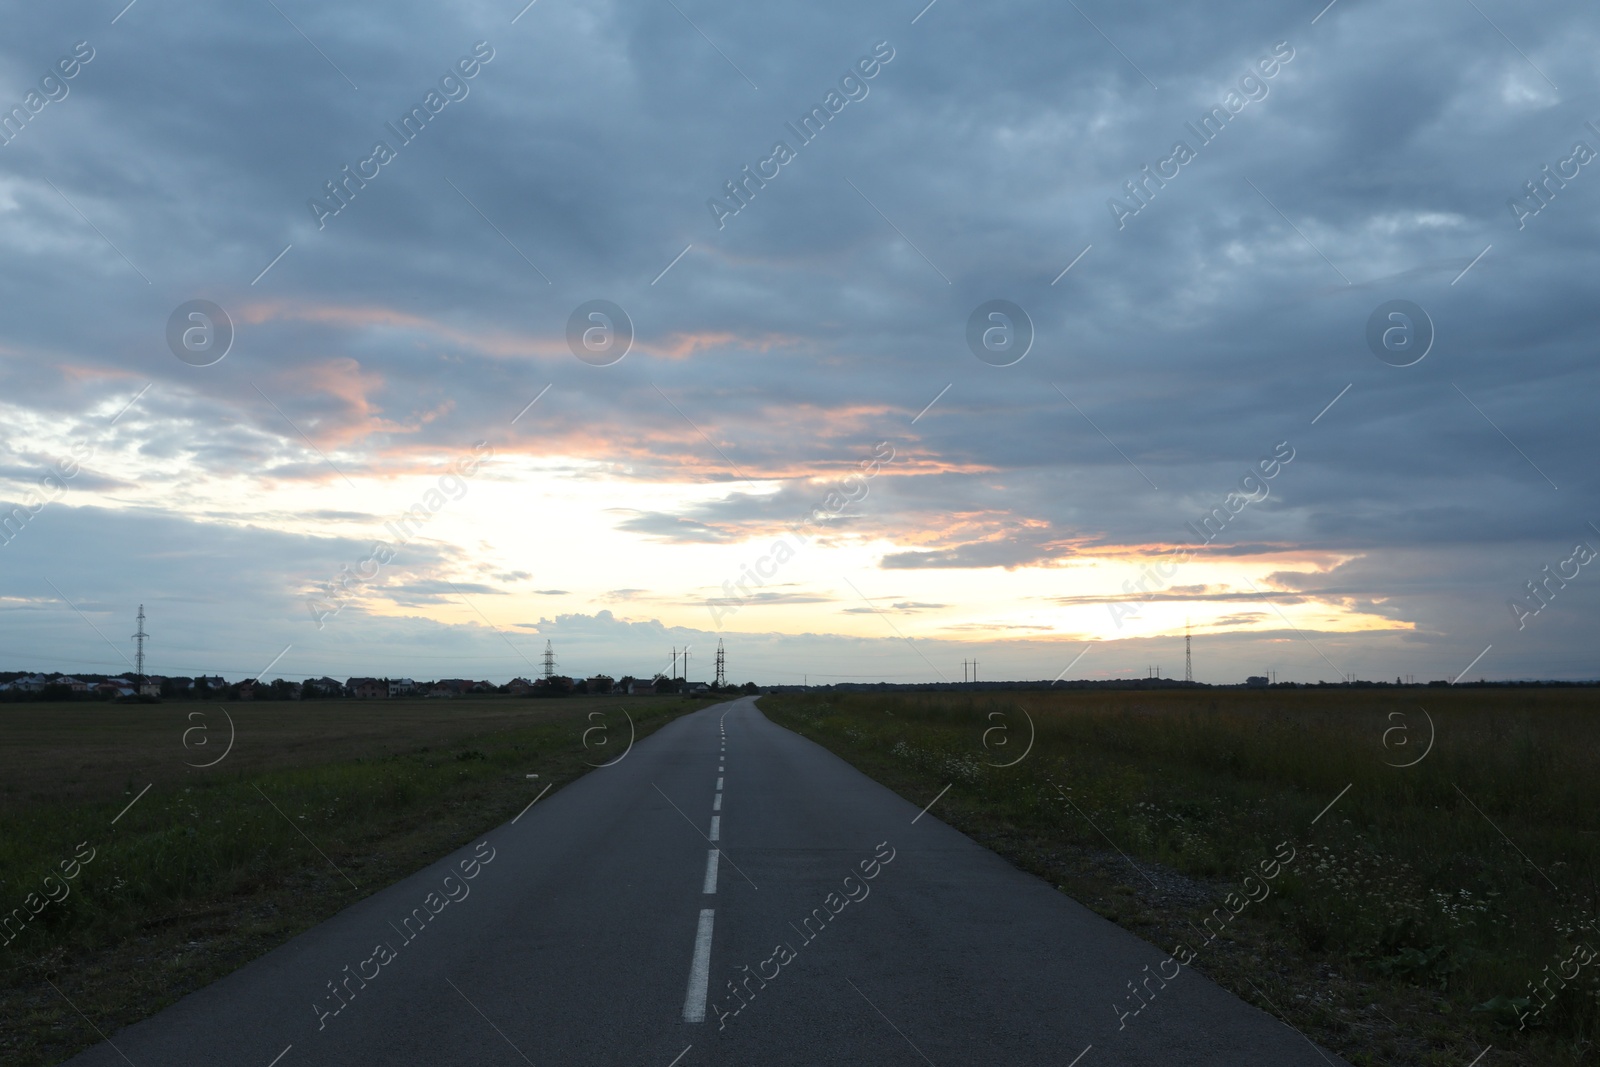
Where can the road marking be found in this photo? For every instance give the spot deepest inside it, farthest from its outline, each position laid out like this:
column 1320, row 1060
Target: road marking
column 716, row 828
column 1085, row 1052
column 285, row 1052
column 719, row 785
column 685, row 1052
column 716, row 805
column 694, row 1001
column 711, row 871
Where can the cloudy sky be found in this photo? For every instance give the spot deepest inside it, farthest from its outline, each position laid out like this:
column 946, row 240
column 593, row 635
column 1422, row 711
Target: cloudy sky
column 1231, row 240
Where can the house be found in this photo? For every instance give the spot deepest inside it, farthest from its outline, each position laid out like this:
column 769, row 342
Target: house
column 1255, row 681
column 112, row 689
column 212, row 681
column 442, row 692
column 636, row 687
column 323, row 687
column 75, row 684
column 402, row 687
column 600, row 683
column 368, row 688
column 519, row 687
column 31, row 683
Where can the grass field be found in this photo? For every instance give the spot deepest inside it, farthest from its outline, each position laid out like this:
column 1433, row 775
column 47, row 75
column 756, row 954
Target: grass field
column 1417, row 910
column 316, row 805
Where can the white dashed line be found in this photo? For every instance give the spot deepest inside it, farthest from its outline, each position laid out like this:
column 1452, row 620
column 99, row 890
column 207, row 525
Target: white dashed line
column 719, row 785
column 716, row 828
column 694, row 1001
column 716, row 805
column 711, row 871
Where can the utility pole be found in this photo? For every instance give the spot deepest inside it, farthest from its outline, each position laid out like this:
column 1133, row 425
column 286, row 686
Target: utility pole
column 686, row 665
column 674, row 673
column 138, row 653
column 722, row 678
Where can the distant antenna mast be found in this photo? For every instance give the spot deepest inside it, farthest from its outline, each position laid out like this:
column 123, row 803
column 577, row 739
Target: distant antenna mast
column 674, row 673
column 722, row 678
column 549, row 661
column 1188, row 658
column 138, row 653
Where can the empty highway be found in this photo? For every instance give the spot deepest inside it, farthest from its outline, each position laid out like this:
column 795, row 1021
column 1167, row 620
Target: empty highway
column 727, row 893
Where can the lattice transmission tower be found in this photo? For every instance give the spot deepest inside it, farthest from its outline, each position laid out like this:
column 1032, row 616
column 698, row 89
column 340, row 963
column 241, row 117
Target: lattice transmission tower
column 722, row 677
column 138, row 650
column 549, row 661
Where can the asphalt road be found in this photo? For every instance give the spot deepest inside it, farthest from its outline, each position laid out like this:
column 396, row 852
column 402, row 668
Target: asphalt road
column 835, row 924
